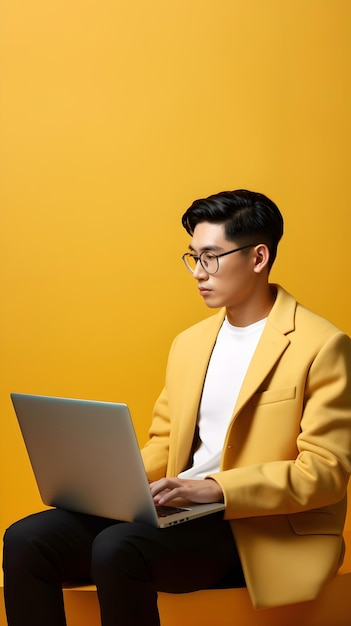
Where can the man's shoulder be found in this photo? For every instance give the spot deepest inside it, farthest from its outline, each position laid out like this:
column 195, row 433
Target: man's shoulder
column 292, row 316
column 207, row 325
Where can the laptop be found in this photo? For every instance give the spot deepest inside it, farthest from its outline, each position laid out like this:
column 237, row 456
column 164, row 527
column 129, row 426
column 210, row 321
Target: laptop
column 85, row 458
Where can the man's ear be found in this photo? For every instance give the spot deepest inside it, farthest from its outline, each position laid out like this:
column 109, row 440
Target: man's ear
column 261, row 258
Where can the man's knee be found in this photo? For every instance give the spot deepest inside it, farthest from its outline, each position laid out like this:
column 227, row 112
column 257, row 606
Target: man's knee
column 119, row 548
column 17, row 544
column 24, row 538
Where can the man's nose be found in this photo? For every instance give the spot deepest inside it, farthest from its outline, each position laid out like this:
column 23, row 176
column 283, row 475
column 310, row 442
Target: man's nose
column 199, row 272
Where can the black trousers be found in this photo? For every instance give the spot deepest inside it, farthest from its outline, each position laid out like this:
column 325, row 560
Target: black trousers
column 128, row 562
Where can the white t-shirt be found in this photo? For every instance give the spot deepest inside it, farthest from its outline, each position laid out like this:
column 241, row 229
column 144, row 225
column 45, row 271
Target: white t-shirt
column 226, row 371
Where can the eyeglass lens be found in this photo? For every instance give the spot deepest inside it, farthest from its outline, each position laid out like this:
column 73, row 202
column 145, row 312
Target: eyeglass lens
column 208, row 261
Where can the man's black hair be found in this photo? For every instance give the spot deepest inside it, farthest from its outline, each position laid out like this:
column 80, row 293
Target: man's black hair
column 247, row 217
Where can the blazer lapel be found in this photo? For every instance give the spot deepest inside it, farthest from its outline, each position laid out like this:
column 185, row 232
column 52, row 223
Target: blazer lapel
column 271, row 346
column 269, row 350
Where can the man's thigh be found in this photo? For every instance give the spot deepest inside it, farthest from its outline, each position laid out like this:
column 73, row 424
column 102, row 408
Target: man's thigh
column 185, row 557
column 56, row 536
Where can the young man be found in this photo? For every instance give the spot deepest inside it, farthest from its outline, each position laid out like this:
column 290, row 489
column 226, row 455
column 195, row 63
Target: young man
column 256, row 412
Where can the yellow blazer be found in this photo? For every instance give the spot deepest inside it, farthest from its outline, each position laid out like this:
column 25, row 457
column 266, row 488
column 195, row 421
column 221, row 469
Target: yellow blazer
column 287, row 453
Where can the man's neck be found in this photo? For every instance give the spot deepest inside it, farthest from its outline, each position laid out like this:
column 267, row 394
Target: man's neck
column 253, row 311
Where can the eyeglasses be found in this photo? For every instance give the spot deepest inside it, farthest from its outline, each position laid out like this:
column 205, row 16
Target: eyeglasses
column 209, row 260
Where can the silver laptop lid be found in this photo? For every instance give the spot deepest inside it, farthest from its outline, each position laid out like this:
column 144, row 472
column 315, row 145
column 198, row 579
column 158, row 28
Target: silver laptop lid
column 85, row 456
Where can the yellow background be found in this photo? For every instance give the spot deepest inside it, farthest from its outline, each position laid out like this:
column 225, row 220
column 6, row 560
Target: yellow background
column 115, row 116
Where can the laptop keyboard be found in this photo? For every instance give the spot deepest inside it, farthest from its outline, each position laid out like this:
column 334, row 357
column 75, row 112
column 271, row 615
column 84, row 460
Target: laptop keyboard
column 163, row 511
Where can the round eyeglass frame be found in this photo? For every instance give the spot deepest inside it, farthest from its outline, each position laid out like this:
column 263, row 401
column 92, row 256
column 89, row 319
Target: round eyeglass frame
column 214, row 256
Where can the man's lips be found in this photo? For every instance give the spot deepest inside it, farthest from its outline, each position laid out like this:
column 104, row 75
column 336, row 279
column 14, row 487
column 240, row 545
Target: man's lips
column 204, row 291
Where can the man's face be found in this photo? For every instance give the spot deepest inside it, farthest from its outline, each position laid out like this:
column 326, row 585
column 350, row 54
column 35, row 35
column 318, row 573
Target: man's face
column 233, row 284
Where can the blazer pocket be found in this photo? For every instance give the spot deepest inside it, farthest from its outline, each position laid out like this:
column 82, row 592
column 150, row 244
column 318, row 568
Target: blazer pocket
column 315, row 522
column 274, row 395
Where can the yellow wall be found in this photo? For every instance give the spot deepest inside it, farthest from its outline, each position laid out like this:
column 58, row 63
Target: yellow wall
column 115, row 115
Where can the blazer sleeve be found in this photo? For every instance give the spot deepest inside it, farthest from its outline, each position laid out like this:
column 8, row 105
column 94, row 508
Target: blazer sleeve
column 155, row 452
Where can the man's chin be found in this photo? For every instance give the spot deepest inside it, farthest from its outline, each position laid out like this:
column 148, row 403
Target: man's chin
column 211, row 303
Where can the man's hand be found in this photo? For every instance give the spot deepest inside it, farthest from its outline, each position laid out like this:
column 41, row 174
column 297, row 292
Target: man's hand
column 200, row 491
